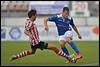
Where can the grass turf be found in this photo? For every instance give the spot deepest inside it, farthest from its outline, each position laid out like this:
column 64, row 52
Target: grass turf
column 89, row 50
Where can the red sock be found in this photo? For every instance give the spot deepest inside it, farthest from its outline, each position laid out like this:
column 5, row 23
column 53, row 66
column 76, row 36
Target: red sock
column 24, row 53
column 61, row 53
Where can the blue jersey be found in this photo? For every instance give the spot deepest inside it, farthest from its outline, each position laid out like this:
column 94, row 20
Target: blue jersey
column 63, row 25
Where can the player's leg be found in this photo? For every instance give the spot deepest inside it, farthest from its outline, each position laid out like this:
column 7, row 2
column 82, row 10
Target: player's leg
column 61, row 53
column 74, row 47
column 62, row 42
column 24, row 53
column 44, row 45
column 72, row 44
column 57, row 51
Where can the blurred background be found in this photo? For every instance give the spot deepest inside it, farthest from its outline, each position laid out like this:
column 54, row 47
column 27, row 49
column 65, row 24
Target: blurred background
column 14, row 14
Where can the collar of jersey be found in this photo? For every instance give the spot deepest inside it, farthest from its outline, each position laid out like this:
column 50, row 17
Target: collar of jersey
column 61, row 16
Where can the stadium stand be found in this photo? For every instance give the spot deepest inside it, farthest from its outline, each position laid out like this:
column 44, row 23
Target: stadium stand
column 18, row 7
column 14, row 6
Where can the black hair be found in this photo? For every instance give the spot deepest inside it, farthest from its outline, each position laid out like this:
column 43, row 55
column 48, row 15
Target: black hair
column 65, row 8
column 32, row 12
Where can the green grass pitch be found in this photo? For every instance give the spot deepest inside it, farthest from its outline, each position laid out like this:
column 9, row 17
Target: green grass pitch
column 89, row 50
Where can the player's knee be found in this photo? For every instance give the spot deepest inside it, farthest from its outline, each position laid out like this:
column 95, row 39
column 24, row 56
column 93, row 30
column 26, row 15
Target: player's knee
column 53, row 48
column 68, row 39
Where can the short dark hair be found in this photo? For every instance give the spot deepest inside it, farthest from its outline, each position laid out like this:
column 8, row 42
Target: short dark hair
column 65, row 8
column 32, row 12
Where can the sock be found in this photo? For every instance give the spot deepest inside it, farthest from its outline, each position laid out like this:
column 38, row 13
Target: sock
column 61, row 53
column 64, row 49
column 73, row 45
column 24, row 53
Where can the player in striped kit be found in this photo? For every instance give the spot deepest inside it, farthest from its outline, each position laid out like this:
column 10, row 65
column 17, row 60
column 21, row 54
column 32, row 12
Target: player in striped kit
column 32, row 32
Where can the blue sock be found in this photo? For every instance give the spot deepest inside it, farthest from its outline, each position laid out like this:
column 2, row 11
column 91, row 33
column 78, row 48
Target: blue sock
column 65, row 50
column 73, row 45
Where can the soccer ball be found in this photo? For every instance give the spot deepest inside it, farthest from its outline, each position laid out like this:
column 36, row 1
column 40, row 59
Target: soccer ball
column 73, row 57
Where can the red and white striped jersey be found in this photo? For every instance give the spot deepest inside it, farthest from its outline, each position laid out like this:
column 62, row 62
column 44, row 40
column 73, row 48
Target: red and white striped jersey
column 31, row 27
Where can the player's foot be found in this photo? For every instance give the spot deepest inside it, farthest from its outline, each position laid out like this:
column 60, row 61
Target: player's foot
column 72, row 59
column 13, row 58
column 79, row 56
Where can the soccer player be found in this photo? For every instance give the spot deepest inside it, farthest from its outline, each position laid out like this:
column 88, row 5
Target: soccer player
column 63, row 23
column 32, row 32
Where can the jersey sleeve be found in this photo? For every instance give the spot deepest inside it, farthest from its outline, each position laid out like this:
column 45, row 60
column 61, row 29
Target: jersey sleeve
column 52, row 18
column 72, row 23
column 28, row 26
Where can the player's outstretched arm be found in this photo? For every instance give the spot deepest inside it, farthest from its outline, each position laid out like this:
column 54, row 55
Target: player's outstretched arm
column 74, row 27
column 45, row 23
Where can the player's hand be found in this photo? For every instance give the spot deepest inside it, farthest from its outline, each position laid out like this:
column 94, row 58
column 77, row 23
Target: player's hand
column 79, row 36
column 46, row 29
column 31, row 36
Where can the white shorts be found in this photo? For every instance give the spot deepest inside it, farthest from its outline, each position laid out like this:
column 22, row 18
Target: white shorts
column 67, row 34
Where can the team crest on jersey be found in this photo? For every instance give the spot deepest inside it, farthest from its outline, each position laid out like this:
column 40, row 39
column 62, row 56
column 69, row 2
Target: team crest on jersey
column 67, row 22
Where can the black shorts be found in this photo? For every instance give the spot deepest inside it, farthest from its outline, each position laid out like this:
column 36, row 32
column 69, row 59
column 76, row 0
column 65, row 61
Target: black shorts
column 42, row 45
